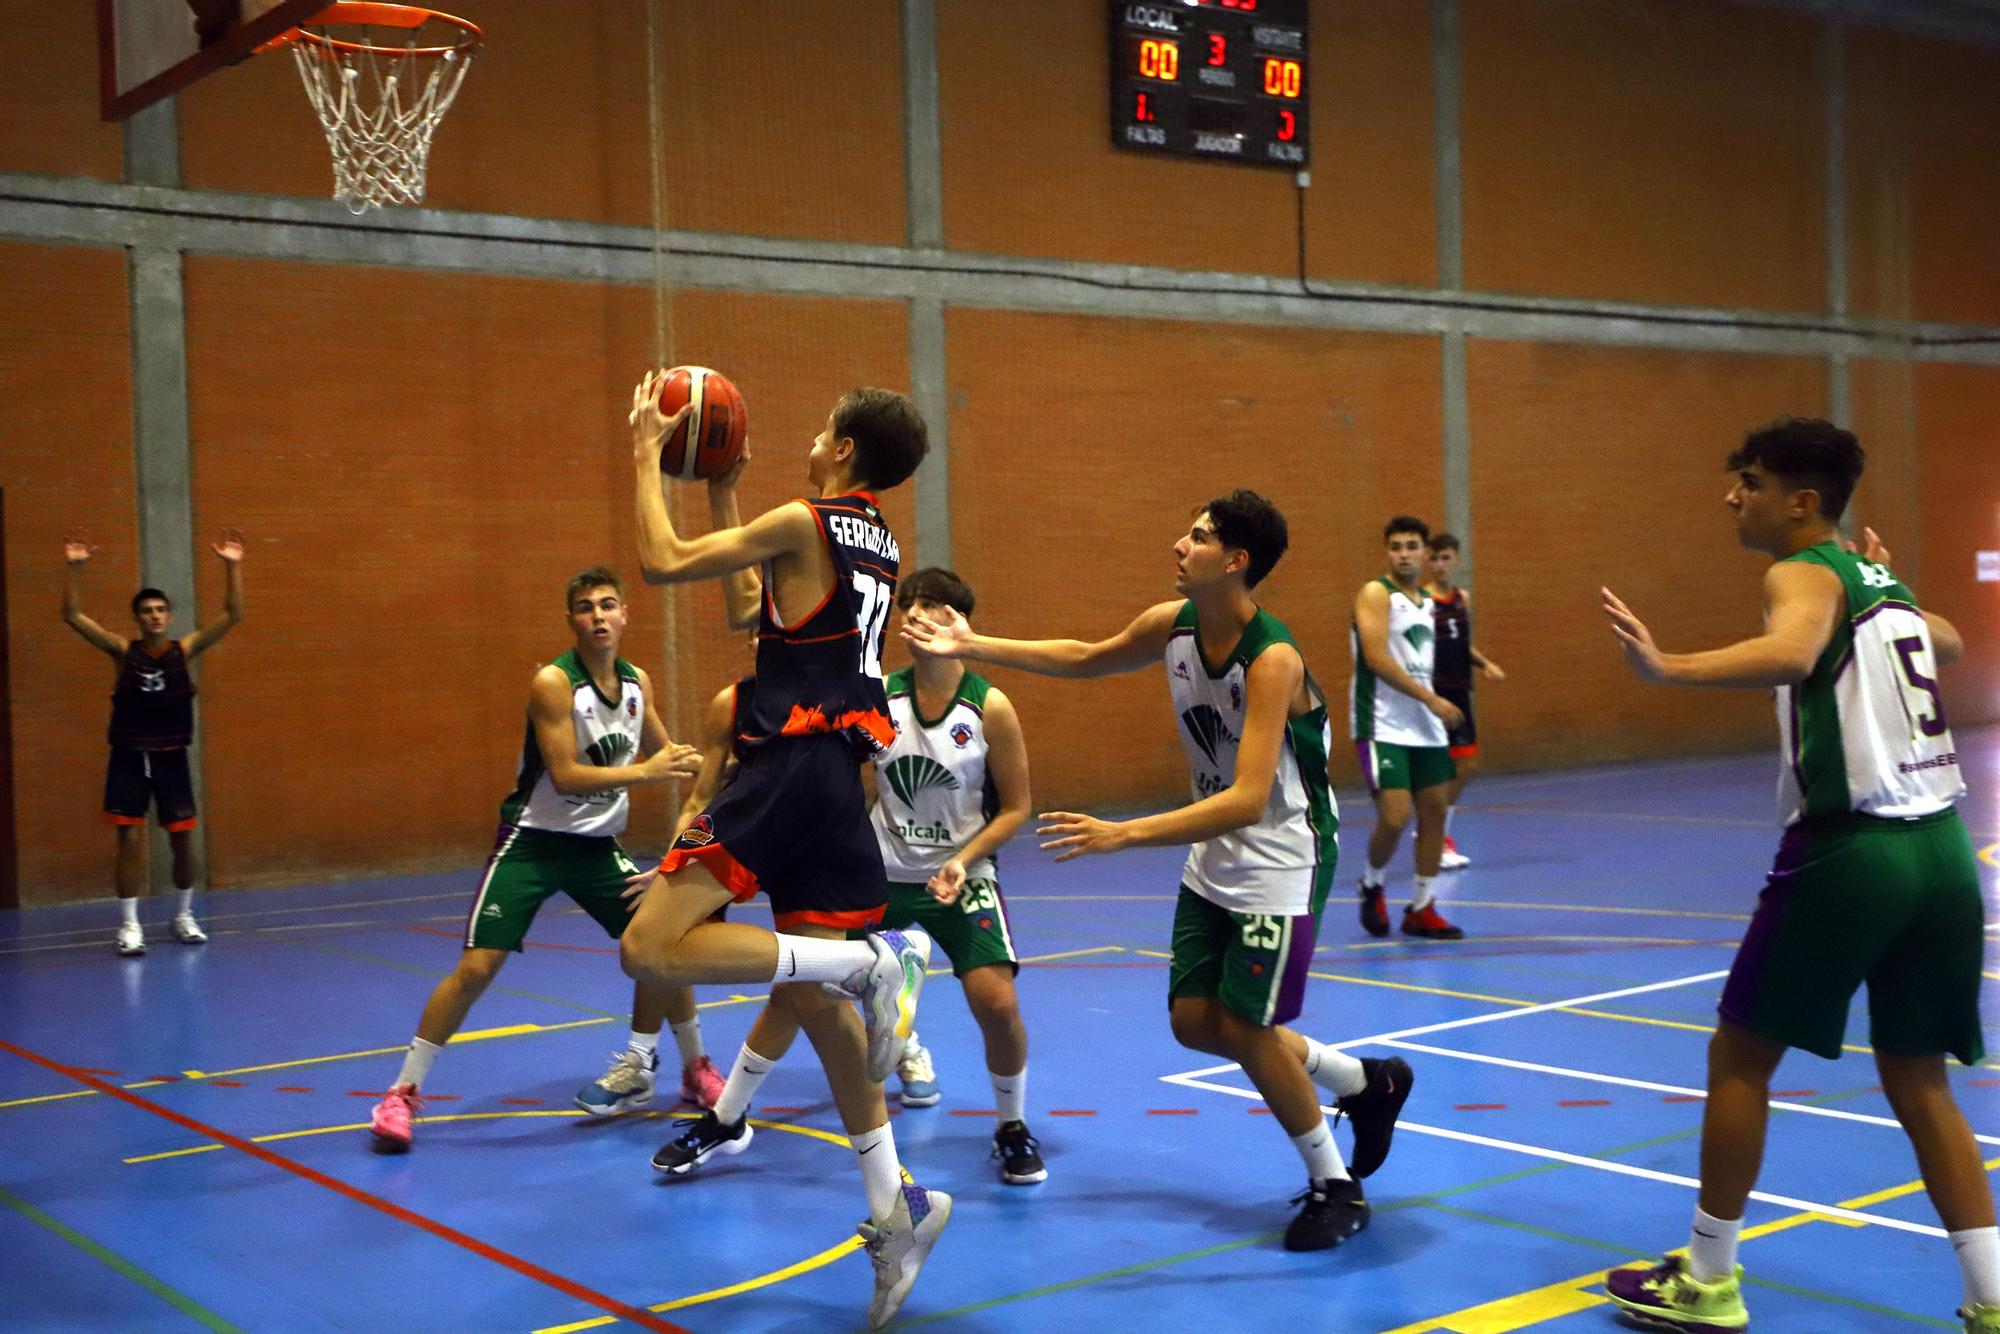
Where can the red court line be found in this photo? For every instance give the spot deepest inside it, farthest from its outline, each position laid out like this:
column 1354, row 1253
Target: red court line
column 781, row 1111
column 1583, row 1102
column 1795, row 1093
column 1983, row 1083
column 1682, row 1097
column 528, row 1269
column 1072, row 1111
column 293, row 1088
column 522, row 1102
column 1173, row 1111
column 533, row 944
column 1260, row 1111
column 973, row 1111
column 94, row 1070
column 441, row 1097
column 227, row 1083
column 1480, row 1107
column 164, row 1079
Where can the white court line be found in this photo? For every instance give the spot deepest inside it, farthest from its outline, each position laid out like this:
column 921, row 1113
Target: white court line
column 1832, row 1112
column 1518, row 1012
column 1601, row 1165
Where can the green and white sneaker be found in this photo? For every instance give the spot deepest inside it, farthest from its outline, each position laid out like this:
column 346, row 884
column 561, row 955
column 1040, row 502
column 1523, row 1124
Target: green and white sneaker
column 1980, row 1318
column 1667, row 1296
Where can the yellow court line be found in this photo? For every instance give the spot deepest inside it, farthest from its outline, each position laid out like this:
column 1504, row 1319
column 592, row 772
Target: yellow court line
column 1074, row 954
column 1525, row 1309
column 1990, row 854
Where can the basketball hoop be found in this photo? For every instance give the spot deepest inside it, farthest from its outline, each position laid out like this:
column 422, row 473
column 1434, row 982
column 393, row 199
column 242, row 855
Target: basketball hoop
column 378, row 98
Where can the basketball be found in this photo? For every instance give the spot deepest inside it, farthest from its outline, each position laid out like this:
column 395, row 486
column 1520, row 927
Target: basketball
column 710, row 441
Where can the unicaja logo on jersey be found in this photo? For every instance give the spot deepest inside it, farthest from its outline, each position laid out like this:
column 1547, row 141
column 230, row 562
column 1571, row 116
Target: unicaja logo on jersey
column 609, row 750
column 912, row 775
column 1205, row 725
column 1420, row 637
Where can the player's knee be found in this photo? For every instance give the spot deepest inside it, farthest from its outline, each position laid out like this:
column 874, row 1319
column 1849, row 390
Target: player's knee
column 1194, row 1025
column 478, row 968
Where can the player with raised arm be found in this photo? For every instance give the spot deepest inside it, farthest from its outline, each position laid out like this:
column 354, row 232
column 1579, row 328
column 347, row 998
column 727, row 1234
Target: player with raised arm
column 1456, row 660
column 592, row 732
column 794, row 822
column 1400, row 726
column 1253, row 725
column 152, row 726
column 1875, row 880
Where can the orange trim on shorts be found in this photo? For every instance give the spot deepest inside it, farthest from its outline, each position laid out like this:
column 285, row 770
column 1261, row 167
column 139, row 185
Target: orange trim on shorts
column 1465, row 752
column 181, row 826
column 844, row 921
column 718, row 861
column 109, row 818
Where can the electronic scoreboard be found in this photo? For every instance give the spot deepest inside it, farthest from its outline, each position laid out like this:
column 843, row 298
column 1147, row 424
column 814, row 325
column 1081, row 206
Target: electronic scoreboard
column 1210, row 79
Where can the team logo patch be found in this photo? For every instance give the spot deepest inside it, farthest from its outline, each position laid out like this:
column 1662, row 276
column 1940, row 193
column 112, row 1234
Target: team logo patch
column 912, row 775
column 631, row 708
column 986, row 924
column 1235, row 695
column 697, row 835
column 962, row 734
column 609, row 750
column 1256, row 970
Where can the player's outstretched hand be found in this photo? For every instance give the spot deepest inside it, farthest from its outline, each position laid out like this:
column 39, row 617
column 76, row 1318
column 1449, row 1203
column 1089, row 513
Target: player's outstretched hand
column 77, row 548
column 637, row 885
column 1872, row 547
column 230, row 548
column 1640, row 652
column 945, row 635
column 1491, row 671
column 651, row 427
column 946, row 884
column 1077, row 834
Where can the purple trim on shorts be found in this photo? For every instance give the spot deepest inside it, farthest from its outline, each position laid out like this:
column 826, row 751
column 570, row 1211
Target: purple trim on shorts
column 1361, row 748
column 1292, row 983
column 1792, row 735
column 1746, row 975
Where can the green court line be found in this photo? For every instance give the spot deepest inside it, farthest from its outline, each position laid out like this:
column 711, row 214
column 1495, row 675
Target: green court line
column 186, row 1305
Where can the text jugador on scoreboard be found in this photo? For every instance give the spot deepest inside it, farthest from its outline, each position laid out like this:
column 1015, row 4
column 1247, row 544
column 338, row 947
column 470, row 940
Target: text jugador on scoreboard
column 1210, row 79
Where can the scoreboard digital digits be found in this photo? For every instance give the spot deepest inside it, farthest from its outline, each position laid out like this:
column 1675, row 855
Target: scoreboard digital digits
column 1210, row 79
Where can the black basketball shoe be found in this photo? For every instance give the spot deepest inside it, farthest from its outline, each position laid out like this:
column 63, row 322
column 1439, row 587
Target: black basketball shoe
column 1332, row 1212
column 1374, row 1110
column 701, row 1139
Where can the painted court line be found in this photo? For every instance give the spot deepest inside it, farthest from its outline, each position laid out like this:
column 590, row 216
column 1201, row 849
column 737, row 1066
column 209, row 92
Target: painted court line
column 526, row 1268
column 1603, row 1165
column 1687, row 1094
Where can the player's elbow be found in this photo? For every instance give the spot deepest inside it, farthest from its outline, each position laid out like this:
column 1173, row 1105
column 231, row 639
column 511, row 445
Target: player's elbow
column 1243, row 805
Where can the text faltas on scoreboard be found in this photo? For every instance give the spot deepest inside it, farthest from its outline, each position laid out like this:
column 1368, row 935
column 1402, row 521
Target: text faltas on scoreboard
column 1211, row 79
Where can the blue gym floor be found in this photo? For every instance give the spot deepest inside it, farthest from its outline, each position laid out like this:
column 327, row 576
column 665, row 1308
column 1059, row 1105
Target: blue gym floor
column 187, row 1145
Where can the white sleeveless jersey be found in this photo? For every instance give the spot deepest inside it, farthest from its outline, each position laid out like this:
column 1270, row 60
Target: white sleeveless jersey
column 931, row 788
column 1377, row 711
column 608, row 733
column 1865, row 731
column 1282, row 864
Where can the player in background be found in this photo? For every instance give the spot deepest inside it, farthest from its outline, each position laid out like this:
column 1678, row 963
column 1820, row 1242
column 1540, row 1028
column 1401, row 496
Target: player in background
column 793, row 823
column 1400, row 725
column 152, row 726
column 1874, row 882
column 592, row 733
column 1455, row 660
column 1262, row 824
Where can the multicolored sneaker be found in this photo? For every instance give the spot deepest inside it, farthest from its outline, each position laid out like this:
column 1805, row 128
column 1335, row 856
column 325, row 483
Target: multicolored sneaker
column 701, row 1082
column 627, row 1085
column 1374, row 911
column 1668, row 1297
column 1020, row 1155
column 392, row 1117
column 1980, row 1318
column 1330, row 1213
column 887, row 990
column 701, row 1139
column 899, row 1244
column 1453, row 859
column 1428, row 923
column 919, row 1076
column 1373, row 1111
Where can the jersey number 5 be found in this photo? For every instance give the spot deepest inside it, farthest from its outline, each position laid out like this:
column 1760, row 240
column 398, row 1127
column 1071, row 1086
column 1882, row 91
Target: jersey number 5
column 872, row 617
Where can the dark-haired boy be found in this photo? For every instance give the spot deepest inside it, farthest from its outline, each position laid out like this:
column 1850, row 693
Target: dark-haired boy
column 592, row 732
column 152, row 726
column 1875, row 880
column 1254, row 729
column 1456, row 658
column 1400, row 725
column 794, row 822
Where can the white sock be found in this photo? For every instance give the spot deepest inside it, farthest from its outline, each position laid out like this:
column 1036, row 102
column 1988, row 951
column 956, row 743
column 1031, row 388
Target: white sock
column 1335, row 1071
column 1449, row 811
column 881, row 1173
column 417, row 1062
column 1373, row 876
column 745, row 1078
column 1010, row 1096
column 646, row 1044
column 1978, row 1252
column 1712, row 1247
column 1322, row 1155
column 1424, row 894
column 187, row 903
column 808, row 959
column 128, row 911
column 687, row 1037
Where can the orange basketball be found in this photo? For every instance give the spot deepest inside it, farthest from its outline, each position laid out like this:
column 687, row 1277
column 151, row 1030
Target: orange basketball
column 710, row 441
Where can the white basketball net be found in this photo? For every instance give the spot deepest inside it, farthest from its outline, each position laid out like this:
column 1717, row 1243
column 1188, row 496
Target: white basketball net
column 379, row 105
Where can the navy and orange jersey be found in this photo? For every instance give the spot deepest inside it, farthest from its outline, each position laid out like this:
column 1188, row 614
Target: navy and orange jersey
column 1451, row 616
column 825, row 673
column 152, row 706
